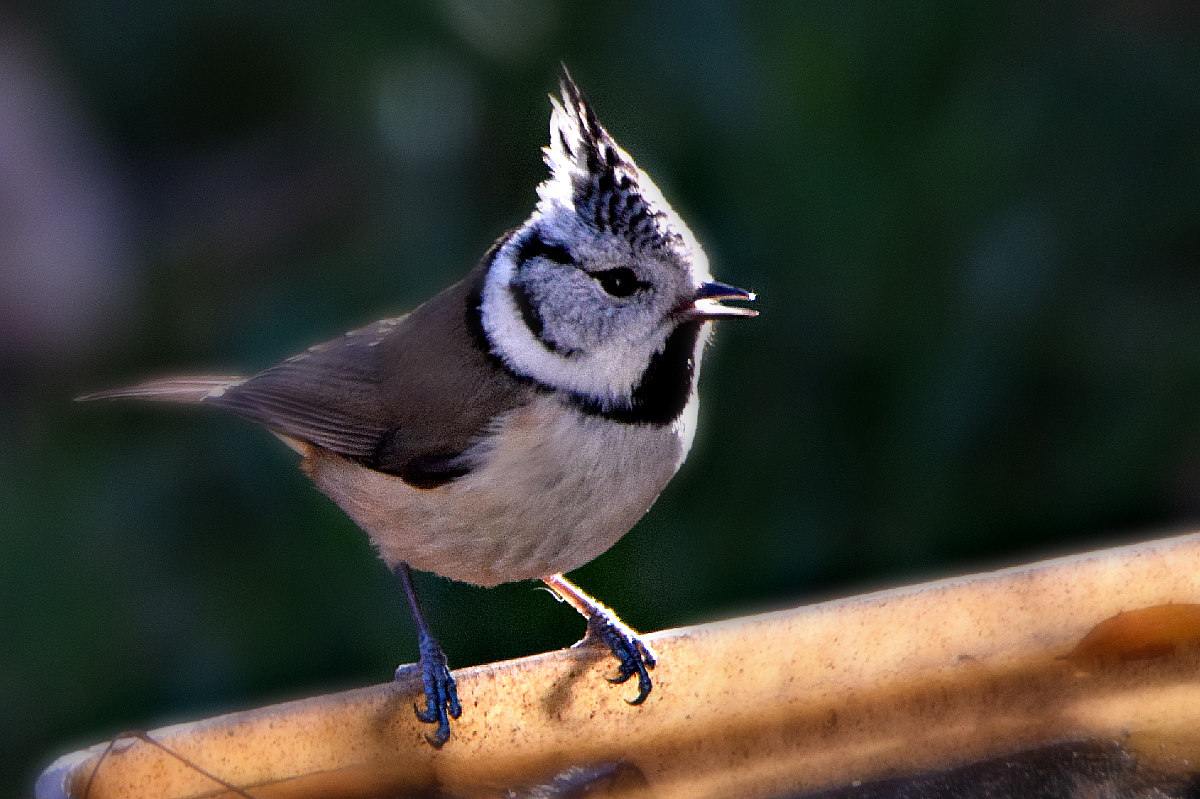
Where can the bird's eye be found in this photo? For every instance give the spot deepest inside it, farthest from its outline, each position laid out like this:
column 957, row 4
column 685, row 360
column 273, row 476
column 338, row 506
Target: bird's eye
column 619, row 282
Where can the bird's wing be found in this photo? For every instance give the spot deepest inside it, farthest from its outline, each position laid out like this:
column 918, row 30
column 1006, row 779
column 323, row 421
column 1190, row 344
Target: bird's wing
column 327, row 395
column 406, row 396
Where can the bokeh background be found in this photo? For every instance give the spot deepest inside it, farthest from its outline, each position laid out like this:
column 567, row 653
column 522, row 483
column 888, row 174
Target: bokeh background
column 974, row 228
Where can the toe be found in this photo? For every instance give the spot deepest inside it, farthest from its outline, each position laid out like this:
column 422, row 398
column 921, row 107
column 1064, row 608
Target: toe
column 441, row 693
column 634, row 655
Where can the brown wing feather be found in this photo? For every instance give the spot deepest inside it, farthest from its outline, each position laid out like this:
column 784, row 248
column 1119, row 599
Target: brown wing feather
column 405, row 396
column 168, row 389
column 328, row 395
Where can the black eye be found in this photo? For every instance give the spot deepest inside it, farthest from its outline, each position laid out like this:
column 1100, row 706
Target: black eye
column 619, row 282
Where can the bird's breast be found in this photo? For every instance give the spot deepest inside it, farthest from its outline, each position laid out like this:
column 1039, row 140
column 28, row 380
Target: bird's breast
column 550, row 489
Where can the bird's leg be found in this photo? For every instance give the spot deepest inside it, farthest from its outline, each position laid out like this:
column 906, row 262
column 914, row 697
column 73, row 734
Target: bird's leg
column 605, row 628
column 441, row 692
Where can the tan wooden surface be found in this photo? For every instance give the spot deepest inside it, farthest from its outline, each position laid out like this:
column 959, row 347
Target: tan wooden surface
column 896, row 682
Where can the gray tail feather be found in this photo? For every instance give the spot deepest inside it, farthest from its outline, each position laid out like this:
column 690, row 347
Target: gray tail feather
column 169, row 389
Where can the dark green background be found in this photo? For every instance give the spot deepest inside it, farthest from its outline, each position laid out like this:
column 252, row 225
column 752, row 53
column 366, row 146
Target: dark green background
column 973, row 228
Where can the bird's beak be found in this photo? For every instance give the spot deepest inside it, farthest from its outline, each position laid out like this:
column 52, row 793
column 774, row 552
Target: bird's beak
column 706, row 304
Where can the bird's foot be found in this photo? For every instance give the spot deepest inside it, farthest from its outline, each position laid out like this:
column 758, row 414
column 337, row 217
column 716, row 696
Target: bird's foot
column 635, row 655
column 441, row 692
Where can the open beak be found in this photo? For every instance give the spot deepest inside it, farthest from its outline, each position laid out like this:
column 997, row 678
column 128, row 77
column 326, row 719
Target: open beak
column 706, row 305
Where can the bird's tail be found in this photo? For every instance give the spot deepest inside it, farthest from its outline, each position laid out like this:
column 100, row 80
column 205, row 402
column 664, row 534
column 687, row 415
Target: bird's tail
column 169, row 389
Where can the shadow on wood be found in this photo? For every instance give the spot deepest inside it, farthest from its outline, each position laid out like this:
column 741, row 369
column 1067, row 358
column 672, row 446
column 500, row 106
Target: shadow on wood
column 1091, row 660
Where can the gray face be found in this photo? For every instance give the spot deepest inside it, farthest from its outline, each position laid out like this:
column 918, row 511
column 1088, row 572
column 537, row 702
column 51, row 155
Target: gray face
column 586, row 293
column 594, row 292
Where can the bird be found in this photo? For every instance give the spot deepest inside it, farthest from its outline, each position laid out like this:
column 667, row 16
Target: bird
column 520, row 422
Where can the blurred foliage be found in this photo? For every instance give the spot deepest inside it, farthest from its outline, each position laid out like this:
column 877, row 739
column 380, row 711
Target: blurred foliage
column 973, row 228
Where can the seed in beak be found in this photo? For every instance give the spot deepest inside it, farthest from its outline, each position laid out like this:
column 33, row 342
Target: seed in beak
column 706, row 304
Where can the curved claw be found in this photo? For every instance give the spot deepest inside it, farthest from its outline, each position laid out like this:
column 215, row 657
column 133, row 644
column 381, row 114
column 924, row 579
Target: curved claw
column 635, row 656
column 441, row 692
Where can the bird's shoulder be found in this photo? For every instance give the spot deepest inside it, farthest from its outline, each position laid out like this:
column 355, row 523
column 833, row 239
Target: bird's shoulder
column 407, row 395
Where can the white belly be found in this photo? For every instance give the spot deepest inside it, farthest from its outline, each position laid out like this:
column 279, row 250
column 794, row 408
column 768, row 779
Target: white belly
column 555, row 489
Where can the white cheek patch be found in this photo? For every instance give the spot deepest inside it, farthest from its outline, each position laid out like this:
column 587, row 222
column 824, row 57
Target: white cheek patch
column 607, row 375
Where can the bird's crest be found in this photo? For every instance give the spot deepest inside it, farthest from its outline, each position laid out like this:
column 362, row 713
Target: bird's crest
column 591, row 174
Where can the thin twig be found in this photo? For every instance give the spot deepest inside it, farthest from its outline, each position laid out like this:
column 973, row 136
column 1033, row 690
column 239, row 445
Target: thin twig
column 145, row 736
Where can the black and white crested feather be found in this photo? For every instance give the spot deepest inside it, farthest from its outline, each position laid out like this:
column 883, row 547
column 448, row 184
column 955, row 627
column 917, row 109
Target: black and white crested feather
column 591, row 174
